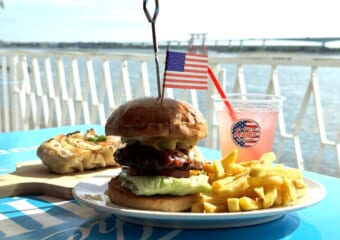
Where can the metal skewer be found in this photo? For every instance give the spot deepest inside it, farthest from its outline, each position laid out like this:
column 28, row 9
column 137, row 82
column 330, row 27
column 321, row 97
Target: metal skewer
column 152, row 20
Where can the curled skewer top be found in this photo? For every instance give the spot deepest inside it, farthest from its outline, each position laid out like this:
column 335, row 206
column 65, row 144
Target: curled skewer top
column 152, row 20
column 147, row 14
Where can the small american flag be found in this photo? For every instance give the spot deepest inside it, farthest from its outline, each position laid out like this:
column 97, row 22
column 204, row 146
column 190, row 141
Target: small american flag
column 186, row 70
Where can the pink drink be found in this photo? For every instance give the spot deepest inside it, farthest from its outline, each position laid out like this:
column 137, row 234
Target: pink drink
column 253, row 130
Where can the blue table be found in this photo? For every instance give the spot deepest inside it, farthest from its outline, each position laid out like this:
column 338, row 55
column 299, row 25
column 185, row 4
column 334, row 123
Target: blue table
column 44, row 217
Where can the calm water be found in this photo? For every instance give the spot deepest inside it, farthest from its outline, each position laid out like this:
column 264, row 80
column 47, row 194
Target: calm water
column 294, row 81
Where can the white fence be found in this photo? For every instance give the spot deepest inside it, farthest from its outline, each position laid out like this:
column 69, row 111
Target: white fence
column 52, row 88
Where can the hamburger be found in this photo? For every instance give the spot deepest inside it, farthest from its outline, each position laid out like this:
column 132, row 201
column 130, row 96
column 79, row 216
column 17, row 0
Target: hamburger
column 161, row 165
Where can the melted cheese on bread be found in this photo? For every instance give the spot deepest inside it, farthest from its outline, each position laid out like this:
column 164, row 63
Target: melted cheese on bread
column 77, row 152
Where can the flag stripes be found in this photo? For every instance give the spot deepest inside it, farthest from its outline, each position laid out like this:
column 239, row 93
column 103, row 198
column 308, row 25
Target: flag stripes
column 186, row 70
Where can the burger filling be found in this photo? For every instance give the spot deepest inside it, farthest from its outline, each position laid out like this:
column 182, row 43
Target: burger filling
column 152, row 185
column 147, row 160
column 161, row 166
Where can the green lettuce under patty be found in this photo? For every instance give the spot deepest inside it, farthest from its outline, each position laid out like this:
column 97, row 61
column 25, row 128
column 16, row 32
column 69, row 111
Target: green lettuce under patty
column 152, row 185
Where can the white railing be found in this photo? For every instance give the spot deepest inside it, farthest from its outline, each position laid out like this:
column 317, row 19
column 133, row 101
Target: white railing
column 53, row 88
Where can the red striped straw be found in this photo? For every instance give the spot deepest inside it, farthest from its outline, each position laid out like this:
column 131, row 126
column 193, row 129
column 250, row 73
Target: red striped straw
column 222, row 94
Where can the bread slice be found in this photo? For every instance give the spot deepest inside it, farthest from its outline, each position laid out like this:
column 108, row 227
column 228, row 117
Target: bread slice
column 166, row 203
column 77, row 152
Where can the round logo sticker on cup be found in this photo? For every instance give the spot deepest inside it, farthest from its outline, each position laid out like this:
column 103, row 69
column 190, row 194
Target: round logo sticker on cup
column 245, row 132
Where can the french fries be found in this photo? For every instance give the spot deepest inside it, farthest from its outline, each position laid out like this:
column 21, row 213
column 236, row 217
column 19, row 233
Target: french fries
column 247, row 186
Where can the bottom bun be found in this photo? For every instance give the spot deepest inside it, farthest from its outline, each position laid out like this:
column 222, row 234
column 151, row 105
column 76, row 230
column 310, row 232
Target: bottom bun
column 166, row 203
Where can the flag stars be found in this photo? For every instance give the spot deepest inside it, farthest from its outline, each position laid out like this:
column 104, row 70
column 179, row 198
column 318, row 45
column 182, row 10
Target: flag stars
column 175, row 61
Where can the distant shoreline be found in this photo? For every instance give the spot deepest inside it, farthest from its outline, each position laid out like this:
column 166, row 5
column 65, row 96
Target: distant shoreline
column 218, row 48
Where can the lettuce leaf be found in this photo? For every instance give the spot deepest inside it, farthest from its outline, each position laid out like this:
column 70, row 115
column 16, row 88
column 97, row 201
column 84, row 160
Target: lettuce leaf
column 152, row 185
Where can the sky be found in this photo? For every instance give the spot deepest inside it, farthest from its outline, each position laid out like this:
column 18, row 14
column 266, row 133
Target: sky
column 125, row 21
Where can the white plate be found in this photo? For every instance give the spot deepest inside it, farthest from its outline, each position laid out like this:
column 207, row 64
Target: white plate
column 91, row 193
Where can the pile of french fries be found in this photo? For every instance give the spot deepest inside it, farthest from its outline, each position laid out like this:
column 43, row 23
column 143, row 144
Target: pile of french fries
column 247, row 186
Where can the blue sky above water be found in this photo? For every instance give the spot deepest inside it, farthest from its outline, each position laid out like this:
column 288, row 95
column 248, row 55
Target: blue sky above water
column 124, row 21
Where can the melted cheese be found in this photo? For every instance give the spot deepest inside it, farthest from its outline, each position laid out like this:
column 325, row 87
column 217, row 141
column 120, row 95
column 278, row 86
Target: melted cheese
column 73, row 153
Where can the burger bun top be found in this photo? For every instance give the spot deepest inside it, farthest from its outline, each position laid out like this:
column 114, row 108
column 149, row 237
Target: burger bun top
column 150, row 116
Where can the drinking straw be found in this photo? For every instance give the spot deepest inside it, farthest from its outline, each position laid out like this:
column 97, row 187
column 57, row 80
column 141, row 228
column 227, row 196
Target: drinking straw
column 222, row 94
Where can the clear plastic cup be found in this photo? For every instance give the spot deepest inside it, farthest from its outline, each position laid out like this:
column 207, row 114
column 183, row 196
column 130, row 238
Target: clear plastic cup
column 250, row 126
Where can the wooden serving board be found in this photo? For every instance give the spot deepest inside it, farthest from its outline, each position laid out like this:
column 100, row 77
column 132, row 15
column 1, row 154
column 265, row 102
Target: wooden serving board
column 32, row 177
